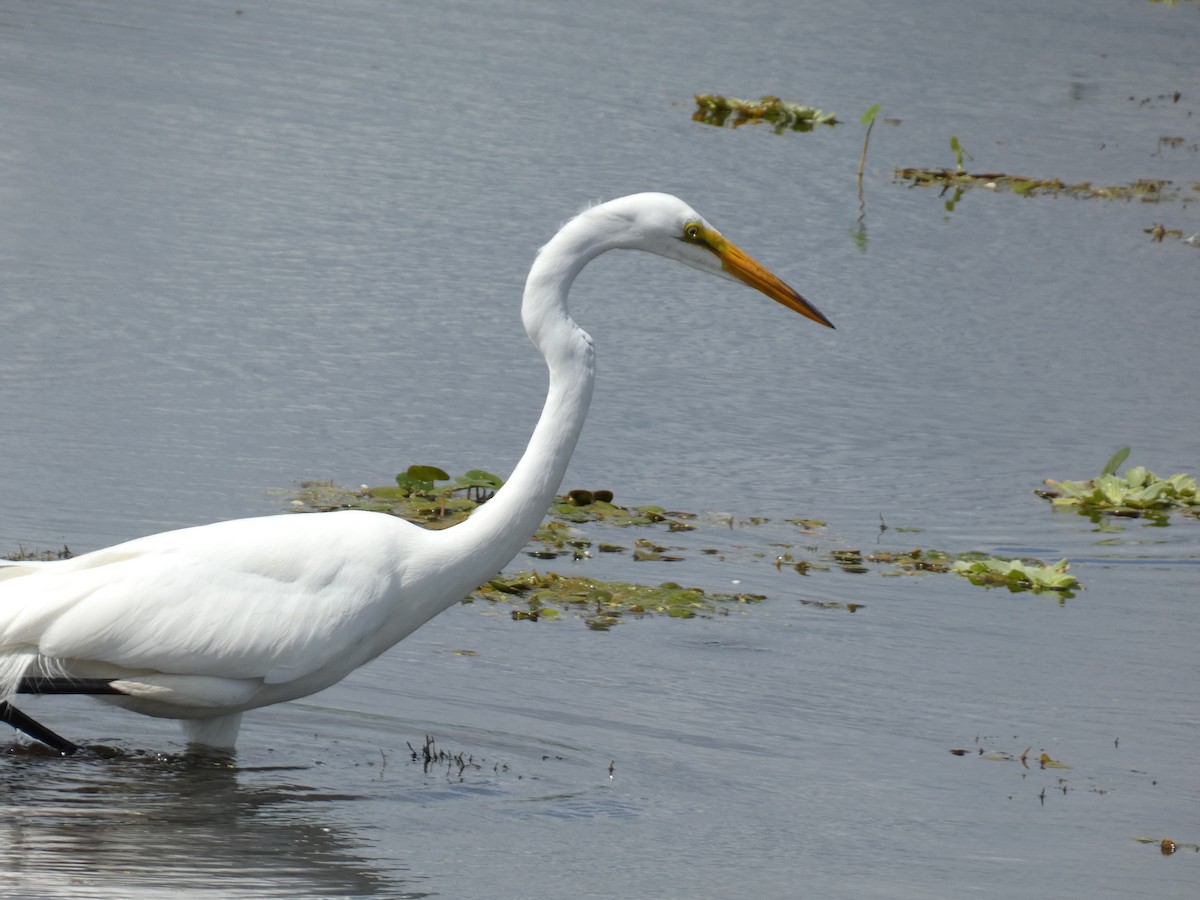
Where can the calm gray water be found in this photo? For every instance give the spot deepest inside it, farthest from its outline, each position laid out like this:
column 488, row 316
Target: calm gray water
column 242, row 247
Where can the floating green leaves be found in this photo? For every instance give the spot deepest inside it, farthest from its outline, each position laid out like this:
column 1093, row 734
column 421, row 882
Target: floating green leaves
column 1139, row 492
column 1114, row 461
column 554, row 539
column 580, row 506
column 987, row 571
column 584, row 523
column 420, row 479
column 603, row 604
column 417, row 496
column 716, row 110
column 1017, row 574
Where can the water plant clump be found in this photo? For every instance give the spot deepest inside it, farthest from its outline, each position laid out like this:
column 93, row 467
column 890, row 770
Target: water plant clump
column 1158, row 232
column 25, row 554
column 986, row 571
column 1138, row 492
column 554, row 539
column 1147, row 190
column 602, row 604
column 430, row 497
column 713, row 109
column 1166, row 846
column 913, row 561
column 1018, row 574
column 580, row 506
column 419, row 497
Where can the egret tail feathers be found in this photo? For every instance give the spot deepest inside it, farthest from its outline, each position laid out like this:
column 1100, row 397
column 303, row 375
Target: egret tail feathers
column 14, row 664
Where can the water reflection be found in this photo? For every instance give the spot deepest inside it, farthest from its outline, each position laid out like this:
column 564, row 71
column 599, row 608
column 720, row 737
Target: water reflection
column 129, row 824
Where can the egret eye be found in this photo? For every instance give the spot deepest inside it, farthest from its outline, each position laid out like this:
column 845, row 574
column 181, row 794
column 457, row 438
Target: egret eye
column 691, row 232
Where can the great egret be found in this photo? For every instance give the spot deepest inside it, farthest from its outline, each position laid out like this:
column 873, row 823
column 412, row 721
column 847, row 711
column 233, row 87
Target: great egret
column 203, row 623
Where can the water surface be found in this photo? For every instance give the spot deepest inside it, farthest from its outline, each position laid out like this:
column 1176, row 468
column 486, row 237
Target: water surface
column 246, row 248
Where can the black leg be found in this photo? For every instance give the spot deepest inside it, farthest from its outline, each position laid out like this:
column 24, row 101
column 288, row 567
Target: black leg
column 40, row 685
column 37, row 731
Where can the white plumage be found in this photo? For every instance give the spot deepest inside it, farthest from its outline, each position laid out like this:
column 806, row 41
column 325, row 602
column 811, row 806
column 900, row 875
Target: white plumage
column 203, row 623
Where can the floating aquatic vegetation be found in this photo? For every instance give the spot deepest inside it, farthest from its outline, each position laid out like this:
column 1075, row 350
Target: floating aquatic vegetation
column 1168, row 142
column 581, row 506
column 430, row 497
column 1139, row 492
column 1048, row 776
column 913, row 561
column 602, row 604
column 1166, row 846
column 1015, row 574
column 1158, row 231
column 716, row 110
column 24, row 554
column 416, row 496
column 831, row 604
column 554, row 539
column 808, row 526
column 1043, row 760
column 1018, row 574
column 419, row 498
column 886, row 562
column 1147, row 190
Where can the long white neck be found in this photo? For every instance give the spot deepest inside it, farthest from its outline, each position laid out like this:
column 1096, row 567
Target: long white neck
column 478, row 548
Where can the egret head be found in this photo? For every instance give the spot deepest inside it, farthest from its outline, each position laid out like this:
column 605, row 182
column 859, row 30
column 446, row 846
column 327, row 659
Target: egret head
column 665, row 225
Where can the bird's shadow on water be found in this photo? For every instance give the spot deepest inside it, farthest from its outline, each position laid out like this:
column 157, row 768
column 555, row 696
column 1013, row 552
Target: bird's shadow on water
column 112, row 823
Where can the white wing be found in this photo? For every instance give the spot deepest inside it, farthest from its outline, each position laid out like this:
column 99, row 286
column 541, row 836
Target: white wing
column 273, row 598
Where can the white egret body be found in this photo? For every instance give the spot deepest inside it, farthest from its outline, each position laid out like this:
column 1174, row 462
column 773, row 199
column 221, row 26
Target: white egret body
column 203, row 623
